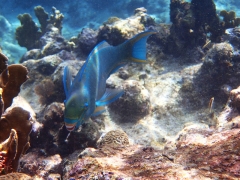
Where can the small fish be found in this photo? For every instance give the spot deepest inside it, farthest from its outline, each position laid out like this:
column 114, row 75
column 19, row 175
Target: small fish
column 210, row 104
column 87, row 94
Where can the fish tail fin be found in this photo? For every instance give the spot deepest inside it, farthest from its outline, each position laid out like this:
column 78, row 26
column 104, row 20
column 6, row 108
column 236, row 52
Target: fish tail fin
column 138, row 52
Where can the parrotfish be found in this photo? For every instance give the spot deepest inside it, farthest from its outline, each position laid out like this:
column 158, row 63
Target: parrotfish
column 87, row 94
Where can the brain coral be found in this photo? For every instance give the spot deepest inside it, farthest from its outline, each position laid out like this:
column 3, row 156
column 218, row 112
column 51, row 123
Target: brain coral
column 116, row 138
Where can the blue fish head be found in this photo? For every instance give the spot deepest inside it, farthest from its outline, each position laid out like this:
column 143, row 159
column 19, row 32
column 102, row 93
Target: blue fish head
column 74, row 115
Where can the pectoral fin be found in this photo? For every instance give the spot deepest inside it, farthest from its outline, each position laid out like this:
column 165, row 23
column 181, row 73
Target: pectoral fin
column 109, row 96
column 98, row 110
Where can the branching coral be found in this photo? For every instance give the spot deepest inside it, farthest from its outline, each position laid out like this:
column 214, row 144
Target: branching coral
column 28, row 33
column 42, row 16
column 56, row 19
column 229, row 19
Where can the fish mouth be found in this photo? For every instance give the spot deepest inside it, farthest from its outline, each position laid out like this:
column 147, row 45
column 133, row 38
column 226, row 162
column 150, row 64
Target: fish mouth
column 70, row 127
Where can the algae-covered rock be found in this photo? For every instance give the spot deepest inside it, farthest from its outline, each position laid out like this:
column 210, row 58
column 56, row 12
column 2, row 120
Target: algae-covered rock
column 117, row 31
column 216, row 69
column 134, row 103
column 34, row 163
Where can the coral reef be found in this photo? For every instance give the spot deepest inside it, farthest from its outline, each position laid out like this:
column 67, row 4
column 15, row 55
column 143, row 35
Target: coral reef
column 193, row 21
column 233, row 36
column 205, row 13
column 28, row 34
column 42, row 70
column 162, row 127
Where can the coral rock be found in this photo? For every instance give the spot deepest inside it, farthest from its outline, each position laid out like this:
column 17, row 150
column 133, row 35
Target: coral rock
column 87, row 40
column 118, row 31
column 135, row 102
column 32, row 54
column 53, row 42
column 214, row 152
column 35, row 164
column 235, row 98
column 216, row 69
